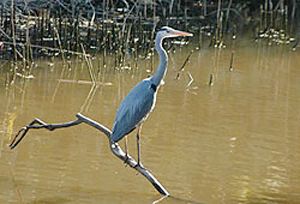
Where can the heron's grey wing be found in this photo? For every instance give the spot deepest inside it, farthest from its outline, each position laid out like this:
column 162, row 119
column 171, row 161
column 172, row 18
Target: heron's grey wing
column 133, row 110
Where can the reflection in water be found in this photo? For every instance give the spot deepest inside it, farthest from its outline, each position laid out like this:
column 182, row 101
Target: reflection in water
column 234, row 142
column 11, row 117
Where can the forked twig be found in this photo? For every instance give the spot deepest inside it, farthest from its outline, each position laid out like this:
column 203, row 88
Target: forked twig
column 115, row 148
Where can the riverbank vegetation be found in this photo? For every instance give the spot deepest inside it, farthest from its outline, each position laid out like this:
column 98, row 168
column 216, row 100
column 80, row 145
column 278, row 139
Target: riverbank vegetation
column 124, row 28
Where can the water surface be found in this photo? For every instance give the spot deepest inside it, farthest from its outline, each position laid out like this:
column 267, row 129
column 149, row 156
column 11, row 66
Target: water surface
column 234, row 142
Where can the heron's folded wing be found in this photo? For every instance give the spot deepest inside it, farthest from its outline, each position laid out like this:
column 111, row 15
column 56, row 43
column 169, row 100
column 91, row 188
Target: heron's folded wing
column 133, row 110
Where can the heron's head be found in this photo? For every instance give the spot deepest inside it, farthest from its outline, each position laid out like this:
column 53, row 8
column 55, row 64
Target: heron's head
column 168, row 32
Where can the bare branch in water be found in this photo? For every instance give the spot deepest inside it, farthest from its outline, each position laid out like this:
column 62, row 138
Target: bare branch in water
column 184, row 63
column 211, row 80
column 231, row 61
column 115, row 148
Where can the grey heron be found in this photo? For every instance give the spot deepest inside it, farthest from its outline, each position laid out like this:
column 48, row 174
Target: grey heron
column 140, row 101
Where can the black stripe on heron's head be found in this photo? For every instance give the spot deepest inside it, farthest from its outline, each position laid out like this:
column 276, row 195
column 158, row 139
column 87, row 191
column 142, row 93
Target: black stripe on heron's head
column 162, row 29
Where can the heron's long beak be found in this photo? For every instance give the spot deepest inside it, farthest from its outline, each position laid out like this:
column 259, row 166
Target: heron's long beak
column 182, row 33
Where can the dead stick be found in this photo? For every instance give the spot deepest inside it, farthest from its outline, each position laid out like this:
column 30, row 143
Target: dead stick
column 231, row 62
column 184, row 63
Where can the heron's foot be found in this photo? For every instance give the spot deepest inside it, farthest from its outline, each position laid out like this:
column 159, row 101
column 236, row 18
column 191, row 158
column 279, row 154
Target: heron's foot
column 139, row 164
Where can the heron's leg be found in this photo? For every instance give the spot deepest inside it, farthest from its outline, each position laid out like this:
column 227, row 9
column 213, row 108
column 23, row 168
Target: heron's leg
column 126, row 149
column 138, row 144
column 126, row 145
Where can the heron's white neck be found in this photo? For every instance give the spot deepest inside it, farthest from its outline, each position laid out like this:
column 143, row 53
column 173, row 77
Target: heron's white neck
column 163, row 62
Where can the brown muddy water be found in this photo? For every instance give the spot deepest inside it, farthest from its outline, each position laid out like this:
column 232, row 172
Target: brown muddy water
column 237, row 141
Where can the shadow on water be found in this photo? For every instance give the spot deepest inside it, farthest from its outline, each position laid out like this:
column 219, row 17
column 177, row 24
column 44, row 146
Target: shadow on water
column 263, row 197
column 183, row 200
column 51, row 200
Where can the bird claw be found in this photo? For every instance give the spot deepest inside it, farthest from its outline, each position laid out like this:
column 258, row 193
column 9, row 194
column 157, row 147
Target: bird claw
column 139, row 164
